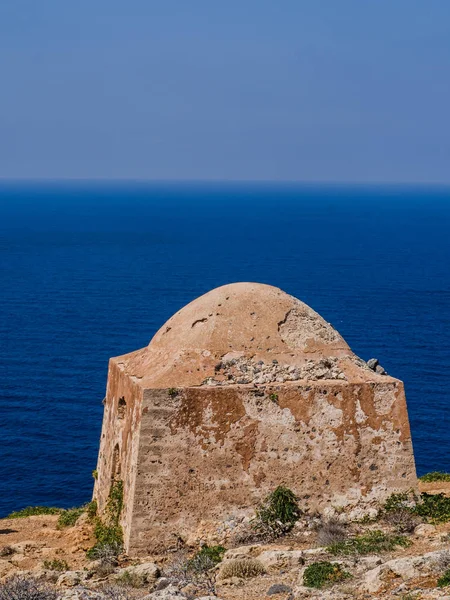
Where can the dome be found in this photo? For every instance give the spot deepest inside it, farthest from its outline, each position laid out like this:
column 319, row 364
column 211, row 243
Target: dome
column 246, row 326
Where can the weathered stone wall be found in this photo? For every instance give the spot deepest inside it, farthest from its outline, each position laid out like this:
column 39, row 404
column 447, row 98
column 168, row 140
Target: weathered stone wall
column 210, row 452
column 119, row 442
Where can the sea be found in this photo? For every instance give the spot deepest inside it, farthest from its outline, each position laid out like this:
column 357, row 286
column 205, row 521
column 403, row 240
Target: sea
column 90, row 270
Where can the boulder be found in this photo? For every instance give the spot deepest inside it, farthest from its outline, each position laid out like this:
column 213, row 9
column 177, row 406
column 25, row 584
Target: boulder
column 148, row 571
column 80, row 593
column 71, row 578
column 424, row 530
column 405, row 568
column 278, row 588
column 279, row 559
column 242, row 552
column 170, row 592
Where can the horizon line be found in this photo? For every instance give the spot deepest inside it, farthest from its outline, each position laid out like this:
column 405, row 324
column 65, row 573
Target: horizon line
column 305, row 182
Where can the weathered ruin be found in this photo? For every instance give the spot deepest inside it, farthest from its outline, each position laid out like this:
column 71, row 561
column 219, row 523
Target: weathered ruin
column 241, row 390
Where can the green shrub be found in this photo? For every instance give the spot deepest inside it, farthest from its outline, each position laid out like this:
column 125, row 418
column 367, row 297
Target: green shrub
column 242, row 568
column 109, row 542
column 91, row 509
column 444, row 581
column 56, row 565
column 434, row 508
column 31, row 511
column 214, row 553
column 69, row 517
column 114, row 505
column 108, row 532
column 435, row 476
column 400, row 501
column 321, row 574
column 368, row 543
column 280, row 507
column 274, row 398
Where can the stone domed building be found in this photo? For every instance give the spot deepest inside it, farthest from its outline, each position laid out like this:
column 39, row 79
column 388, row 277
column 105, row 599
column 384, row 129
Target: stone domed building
column 243, row 389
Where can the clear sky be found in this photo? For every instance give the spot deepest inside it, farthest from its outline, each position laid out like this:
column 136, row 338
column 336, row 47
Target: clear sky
column 318, row 90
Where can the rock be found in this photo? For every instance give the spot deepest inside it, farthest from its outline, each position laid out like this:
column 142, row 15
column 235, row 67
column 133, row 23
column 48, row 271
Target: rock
column 372, row 363
column 281, row 558
column 162, row 583
column 171, row 592
column 424, row 530
column 358, row 514
column 369, row 562
column 406, row 568
column 241, row 552
column 380, row 370
column 148, row 571
column 24, row 547
column 278, row 588
column 71, row 578
column 80, row 593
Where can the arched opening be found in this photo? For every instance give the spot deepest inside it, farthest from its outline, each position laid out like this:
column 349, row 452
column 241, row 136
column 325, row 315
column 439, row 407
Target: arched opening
column 116, row 464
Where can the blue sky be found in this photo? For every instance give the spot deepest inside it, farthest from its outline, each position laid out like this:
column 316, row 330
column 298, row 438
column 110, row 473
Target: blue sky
column 319, row 90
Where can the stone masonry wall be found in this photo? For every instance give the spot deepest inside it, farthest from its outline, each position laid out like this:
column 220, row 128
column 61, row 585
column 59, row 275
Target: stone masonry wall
column 210, row 452
column 119, row 442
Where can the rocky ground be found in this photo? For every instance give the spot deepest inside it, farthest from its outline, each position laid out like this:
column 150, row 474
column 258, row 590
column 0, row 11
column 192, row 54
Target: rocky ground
column 35, row 546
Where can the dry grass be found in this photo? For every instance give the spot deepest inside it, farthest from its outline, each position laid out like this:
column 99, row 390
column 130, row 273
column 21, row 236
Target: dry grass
column 330, row 532
column 241, row 568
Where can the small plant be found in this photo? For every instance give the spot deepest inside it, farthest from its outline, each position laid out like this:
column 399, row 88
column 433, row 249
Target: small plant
column 368, row 543
column 400, row 511
column 198, row 571
column 95, row 474
column 114, row 592
column 19, row 587
column 331, row 532
column 133, row 580
column 243, row 568
column 280, row 510
column 275, row 516
column 322, row 574
column 401, row 501
column 434, row 508
column 56, row 565
column 274, row 398
column 435, row 476
column 403, row 520
column 108, row 533
column 109, row 544
column 91, row 509
column 213, row 553
column 444, row 580
column 173, row 392
column 31, row 511
column 69, row 517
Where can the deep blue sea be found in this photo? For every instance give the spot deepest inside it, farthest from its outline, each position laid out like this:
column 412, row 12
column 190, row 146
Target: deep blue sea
column 92, row 270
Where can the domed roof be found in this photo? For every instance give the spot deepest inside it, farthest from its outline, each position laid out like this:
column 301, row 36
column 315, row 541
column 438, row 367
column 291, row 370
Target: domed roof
column 241, row 333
